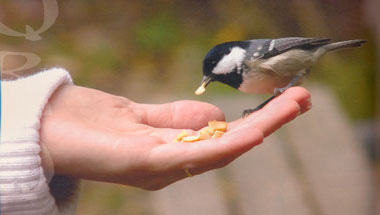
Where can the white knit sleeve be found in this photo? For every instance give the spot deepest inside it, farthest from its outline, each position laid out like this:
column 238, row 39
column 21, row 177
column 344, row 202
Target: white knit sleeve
column 23, row 186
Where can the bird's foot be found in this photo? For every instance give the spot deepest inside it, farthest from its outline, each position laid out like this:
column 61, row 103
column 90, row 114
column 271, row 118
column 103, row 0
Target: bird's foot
column 279, row 91
column 248, row 112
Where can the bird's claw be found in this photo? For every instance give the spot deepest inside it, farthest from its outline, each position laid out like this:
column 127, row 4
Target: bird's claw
column 279, row 91
column 249, row 111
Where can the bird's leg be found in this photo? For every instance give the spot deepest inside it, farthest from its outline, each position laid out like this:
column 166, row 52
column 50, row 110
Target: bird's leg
column 279, row 91
column 249, row 111
column 276, row 92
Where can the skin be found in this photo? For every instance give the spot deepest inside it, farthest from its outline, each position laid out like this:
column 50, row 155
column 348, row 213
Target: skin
column 89, row 134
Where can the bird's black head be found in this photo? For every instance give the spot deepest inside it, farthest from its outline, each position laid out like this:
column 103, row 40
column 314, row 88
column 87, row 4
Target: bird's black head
column 224, row 62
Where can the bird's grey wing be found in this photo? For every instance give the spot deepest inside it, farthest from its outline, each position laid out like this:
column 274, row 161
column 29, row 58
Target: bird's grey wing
column 266, row 48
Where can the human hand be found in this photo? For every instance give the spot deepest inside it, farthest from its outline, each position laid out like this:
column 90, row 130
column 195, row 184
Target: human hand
column 94, row 135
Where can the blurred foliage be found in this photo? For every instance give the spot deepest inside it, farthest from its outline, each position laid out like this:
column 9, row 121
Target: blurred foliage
column 141, row 49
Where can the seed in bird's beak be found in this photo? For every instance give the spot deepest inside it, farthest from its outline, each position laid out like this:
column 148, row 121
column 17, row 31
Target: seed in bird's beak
column 205, row 81
column 200, row 89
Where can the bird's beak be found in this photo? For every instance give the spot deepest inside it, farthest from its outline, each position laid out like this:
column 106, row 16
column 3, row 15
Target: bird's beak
column 205, row 81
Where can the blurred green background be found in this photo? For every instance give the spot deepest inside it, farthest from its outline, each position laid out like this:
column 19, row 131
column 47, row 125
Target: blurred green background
column 136, row 48
column 144, row 49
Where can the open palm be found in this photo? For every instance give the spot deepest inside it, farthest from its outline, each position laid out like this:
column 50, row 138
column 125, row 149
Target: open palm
column 94, row 135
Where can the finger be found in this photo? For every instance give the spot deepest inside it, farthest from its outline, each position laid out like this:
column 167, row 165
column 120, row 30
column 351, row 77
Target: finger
column 164, row 179
column 180, row 114
column 301, row 96
column 216, row 165
column 281, row 110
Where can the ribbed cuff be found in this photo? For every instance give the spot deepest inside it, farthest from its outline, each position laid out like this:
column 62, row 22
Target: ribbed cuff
column 23, row 101
column 23, row 186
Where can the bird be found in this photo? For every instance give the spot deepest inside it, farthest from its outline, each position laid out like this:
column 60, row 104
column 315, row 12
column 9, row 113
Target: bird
column 261, row 66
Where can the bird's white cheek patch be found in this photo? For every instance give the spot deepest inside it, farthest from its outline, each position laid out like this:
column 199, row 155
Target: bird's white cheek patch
column 228, row 63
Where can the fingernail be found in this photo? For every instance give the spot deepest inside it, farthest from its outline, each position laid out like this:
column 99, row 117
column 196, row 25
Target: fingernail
column 307, row 108
column 307, row 105
column 310, row 104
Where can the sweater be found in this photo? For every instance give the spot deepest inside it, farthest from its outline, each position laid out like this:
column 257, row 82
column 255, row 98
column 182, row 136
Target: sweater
column 24, row 189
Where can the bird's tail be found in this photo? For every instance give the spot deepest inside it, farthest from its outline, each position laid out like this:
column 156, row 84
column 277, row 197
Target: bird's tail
column 344, row 44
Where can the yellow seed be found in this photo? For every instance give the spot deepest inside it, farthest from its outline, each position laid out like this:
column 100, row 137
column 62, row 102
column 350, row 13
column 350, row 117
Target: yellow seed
column 218, row 125
column 206, row 133
column 215, row 130
column 180, row 136
column 191, row 138
column 217, row 134
column 200, row 90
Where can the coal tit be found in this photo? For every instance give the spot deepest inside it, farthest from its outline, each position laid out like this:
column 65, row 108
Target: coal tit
column 266, row 65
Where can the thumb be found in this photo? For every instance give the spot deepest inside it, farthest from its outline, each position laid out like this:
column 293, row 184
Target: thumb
column 180, row 114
